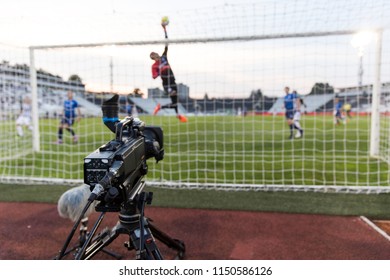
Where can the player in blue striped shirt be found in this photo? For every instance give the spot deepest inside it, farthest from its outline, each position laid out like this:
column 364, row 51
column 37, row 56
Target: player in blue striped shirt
column 338, row 111
column 69, row 117
column 292, row 106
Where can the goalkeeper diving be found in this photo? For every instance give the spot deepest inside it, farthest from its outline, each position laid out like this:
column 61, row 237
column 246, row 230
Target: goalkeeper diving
column 162, row 68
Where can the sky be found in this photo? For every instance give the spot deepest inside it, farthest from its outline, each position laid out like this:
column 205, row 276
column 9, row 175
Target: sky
column 229, row 69
column 50, row 22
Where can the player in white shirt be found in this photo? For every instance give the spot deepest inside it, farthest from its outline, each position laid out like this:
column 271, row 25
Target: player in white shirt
column 297, row 115
column 24, row 118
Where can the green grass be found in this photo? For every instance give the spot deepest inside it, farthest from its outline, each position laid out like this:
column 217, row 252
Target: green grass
column 220, row 149
column 373, row 205
column 217, row 149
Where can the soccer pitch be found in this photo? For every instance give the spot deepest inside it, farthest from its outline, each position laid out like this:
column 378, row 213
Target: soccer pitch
column 218, row 150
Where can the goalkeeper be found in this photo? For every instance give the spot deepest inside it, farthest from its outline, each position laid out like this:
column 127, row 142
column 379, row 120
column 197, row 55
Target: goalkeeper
column 162, row 68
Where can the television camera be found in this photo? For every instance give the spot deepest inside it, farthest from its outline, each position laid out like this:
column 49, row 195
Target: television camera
column 114, row 173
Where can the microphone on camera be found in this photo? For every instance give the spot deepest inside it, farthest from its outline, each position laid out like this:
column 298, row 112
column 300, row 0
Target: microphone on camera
column 71, row 204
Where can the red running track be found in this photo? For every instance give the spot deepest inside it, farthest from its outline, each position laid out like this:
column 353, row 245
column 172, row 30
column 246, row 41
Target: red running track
column 30, row 231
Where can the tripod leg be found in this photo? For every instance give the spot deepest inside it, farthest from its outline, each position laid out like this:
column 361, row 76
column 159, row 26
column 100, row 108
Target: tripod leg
column 102, row 240
column 112, row 254
column 150, row 249
column 83, row 231
column 82, row 237
column 81, row 252
column 175, row 244
column 98, row 244
column 70, row 236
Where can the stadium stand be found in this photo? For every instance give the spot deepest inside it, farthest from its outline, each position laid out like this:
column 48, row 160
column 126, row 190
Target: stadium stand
column 54, row 100
column 277, row 107
column 229, row 106
column 315, row 103
column 360, row 101
column 147, row 106
column 87, row 108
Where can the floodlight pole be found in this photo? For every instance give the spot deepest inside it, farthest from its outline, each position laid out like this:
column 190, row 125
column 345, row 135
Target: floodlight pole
column 111, row 74
column 34, row 102
column 376, row 91
column 360, row 72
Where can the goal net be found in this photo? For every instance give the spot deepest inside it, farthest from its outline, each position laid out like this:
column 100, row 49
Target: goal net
column 231, row 68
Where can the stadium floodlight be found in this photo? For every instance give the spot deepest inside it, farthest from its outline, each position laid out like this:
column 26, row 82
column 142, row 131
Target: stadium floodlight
column 360, row 41
column 111, row 50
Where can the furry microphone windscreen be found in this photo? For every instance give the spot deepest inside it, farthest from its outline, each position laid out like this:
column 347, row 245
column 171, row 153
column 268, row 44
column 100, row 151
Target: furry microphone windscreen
column 72, row 202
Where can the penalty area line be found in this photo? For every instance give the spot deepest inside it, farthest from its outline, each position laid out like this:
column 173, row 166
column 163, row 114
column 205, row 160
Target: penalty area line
column 376, row 228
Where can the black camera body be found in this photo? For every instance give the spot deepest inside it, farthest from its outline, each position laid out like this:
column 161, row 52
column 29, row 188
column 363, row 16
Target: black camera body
column 117, row 168
column 130, row 156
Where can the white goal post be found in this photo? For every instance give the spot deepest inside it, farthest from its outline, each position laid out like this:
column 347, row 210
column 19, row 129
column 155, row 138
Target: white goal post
column 376, row 93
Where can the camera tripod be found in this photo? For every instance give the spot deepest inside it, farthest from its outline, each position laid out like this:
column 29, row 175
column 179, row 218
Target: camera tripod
column 132, row 222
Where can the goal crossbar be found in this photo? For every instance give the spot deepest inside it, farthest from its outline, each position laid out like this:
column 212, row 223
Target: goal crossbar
column 204, row 40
